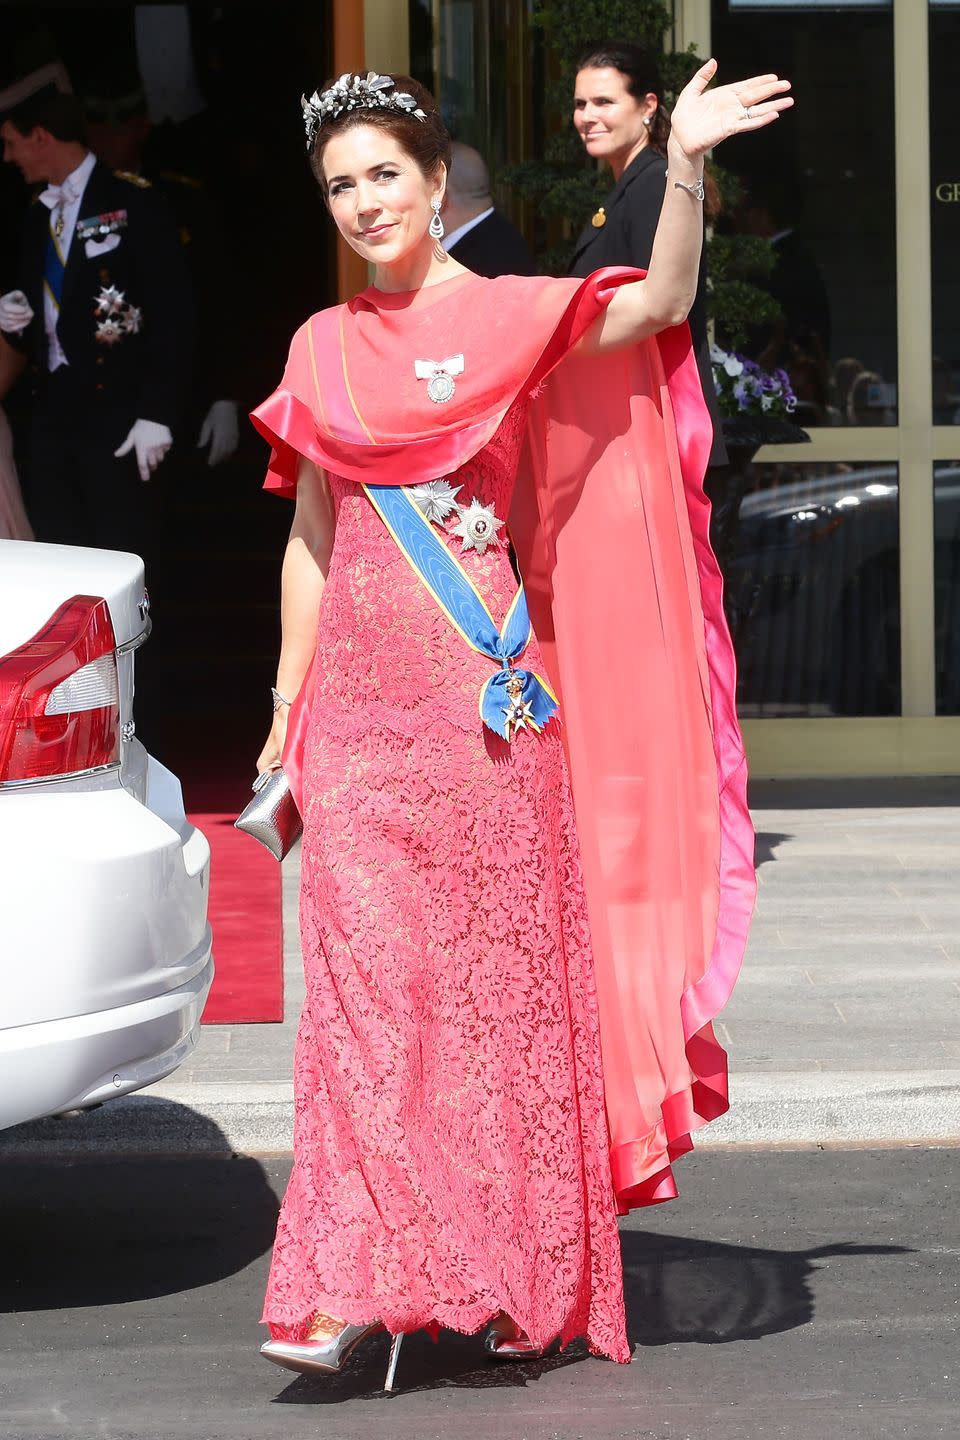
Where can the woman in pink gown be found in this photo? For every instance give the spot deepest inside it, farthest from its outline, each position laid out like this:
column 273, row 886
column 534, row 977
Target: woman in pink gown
column 470, row 1115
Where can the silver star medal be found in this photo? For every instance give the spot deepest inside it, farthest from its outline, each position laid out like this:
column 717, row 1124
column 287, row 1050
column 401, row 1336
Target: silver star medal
column 132, row 320
column 110, row 301
column 435, row 499
column 439, row 377
column 478, row 527
column 108, row 332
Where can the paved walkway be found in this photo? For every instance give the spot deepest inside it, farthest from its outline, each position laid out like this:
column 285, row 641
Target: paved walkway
column 845, row 1025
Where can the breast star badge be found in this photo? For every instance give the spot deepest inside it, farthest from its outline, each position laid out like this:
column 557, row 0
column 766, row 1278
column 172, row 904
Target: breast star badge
column 436, row 499
column 110, row 301
column 478, row 527
column 108, row 332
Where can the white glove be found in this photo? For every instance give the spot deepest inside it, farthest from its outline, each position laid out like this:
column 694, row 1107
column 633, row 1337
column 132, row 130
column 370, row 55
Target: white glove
column 15, row 312
column 151, row 442
column 221, row 431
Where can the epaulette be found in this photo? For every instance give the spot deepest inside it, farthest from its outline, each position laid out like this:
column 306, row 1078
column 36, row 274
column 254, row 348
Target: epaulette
column 191, row 182
column 133, row 179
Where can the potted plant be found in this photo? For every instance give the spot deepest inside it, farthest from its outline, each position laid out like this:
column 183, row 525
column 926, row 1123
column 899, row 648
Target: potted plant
column 756, row 405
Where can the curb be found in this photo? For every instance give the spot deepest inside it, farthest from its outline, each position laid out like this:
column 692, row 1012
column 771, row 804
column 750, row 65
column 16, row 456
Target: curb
column 771, row 1109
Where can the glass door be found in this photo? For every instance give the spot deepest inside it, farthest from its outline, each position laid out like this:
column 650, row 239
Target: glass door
column 844, row 577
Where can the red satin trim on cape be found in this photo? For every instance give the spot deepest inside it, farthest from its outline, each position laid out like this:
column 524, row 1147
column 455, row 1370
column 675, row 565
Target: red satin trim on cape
column 617, row 448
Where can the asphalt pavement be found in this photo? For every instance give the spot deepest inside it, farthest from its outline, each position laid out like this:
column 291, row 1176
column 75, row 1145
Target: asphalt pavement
column 786, row 1296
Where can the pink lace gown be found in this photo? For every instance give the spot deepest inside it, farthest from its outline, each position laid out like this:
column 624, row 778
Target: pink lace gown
column 451, row 1153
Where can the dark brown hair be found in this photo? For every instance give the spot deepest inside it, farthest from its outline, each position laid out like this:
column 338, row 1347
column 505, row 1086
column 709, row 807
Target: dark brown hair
column 642, row 74
column 52, row 110
column 427, row 141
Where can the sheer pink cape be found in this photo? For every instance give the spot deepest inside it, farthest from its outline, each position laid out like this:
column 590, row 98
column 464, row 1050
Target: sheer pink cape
column 626, row 600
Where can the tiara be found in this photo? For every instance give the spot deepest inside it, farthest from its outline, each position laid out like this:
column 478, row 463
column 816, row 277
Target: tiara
column 355, row 92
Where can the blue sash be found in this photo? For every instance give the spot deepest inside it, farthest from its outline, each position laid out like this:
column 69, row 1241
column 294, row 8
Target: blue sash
column 53, row 267
column 511, row 699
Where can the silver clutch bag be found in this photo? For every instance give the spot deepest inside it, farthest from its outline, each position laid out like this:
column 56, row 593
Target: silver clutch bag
column 272, row 816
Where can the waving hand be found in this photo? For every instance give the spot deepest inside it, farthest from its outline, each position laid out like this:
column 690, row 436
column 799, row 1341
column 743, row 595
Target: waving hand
column 702, row 118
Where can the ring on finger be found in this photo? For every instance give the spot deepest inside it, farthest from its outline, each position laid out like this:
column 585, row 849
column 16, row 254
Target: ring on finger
column 747, row 114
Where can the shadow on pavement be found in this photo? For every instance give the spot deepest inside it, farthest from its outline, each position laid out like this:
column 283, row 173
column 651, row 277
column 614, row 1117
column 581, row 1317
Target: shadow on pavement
column 678, row 1290
column 695, row 1291
column 869, row 793
column 454, row 1362
column 765, row 846
column 97, row 1230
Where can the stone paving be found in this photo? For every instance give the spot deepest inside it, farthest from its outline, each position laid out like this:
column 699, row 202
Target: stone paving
column 843, row 1027
column 854, row 954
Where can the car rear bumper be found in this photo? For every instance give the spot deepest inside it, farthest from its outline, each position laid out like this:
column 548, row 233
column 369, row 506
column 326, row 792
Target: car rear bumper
column 104, row 896
column 105, row 948
column 59, row 1065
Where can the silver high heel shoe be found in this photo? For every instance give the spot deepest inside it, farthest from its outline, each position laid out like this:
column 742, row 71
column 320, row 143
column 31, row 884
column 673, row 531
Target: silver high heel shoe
column 328, row 1356
column 519, row 1346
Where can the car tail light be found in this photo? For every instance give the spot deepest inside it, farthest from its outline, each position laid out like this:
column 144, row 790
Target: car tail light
column 59, row 696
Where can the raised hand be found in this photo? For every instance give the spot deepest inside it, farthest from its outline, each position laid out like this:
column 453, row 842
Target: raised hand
column 702, row 118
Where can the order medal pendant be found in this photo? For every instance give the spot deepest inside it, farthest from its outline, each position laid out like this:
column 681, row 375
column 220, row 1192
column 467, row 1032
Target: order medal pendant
column 439, row 377
column 441, row 388
column 518, row 715
column 600, row 219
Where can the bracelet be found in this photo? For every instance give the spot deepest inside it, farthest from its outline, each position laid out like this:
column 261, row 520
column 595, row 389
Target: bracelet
column 278, row 699
column 695, row 190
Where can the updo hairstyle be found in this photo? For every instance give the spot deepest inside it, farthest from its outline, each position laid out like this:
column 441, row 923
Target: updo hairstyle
column 426, row 141
column 642, row 74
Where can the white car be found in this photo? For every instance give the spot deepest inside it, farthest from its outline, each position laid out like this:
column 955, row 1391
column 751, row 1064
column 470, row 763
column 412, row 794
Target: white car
column 105, row 950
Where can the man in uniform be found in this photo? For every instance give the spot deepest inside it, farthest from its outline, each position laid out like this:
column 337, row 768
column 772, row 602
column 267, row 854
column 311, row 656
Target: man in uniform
column 103, row 314
column 119, row 132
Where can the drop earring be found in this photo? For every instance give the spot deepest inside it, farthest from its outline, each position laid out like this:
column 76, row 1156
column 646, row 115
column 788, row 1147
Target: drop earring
column 436, row 224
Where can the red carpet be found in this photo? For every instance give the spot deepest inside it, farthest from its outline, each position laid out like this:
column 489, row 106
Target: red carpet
column 247, row 920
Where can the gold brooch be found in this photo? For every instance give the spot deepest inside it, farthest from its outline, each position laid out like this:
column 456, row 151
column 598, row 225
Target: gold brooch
column 599, row 219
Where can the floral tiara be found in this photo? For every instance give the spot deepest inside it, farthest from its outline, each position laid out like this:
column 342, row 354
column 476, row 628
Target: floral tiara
column 355, row 92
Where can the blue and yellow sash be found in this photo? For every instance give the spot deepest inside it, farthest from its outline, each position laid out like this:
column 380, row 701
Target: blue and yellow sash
column 511, row 699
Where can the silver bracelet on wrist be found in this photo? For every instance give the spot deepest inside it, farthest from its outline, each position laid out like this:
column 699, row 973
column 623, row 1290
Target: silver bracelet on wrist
column 695, row 190
column 278, row 699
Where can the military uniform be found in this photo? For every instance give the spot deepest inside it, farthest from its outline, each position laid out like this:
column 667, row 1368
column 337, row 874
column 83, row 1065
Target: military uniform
column 126, row 328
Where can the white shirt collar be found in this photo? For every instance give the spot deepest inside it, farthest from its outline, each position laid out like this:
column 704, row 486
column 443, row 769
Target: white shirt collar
column 74, row 185
column 450, row 240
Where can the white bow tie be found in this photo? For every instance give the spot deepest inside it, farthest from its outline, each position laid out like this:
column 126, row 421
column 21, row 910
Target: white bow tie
column 55, row 197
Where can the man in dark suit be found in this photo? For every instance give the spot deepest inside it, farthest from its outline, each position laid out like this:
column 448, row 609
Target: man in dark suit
column 119, row 132
column 476, row 233
column 103, row 314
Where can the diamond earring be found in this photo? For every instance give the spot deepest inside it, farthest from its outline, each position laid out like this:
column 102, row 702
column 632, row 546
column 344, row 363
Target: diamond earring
column 436, row 224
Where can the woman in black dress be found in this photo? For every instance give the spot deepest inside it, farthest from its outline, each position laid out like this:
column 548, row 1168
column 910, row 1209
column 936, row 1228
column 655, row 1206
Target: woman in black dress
column 619, row 116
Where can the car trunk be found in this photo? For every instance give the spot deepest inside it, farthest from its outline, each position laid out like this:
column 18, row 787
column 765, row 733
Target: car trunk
column 35, row 580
